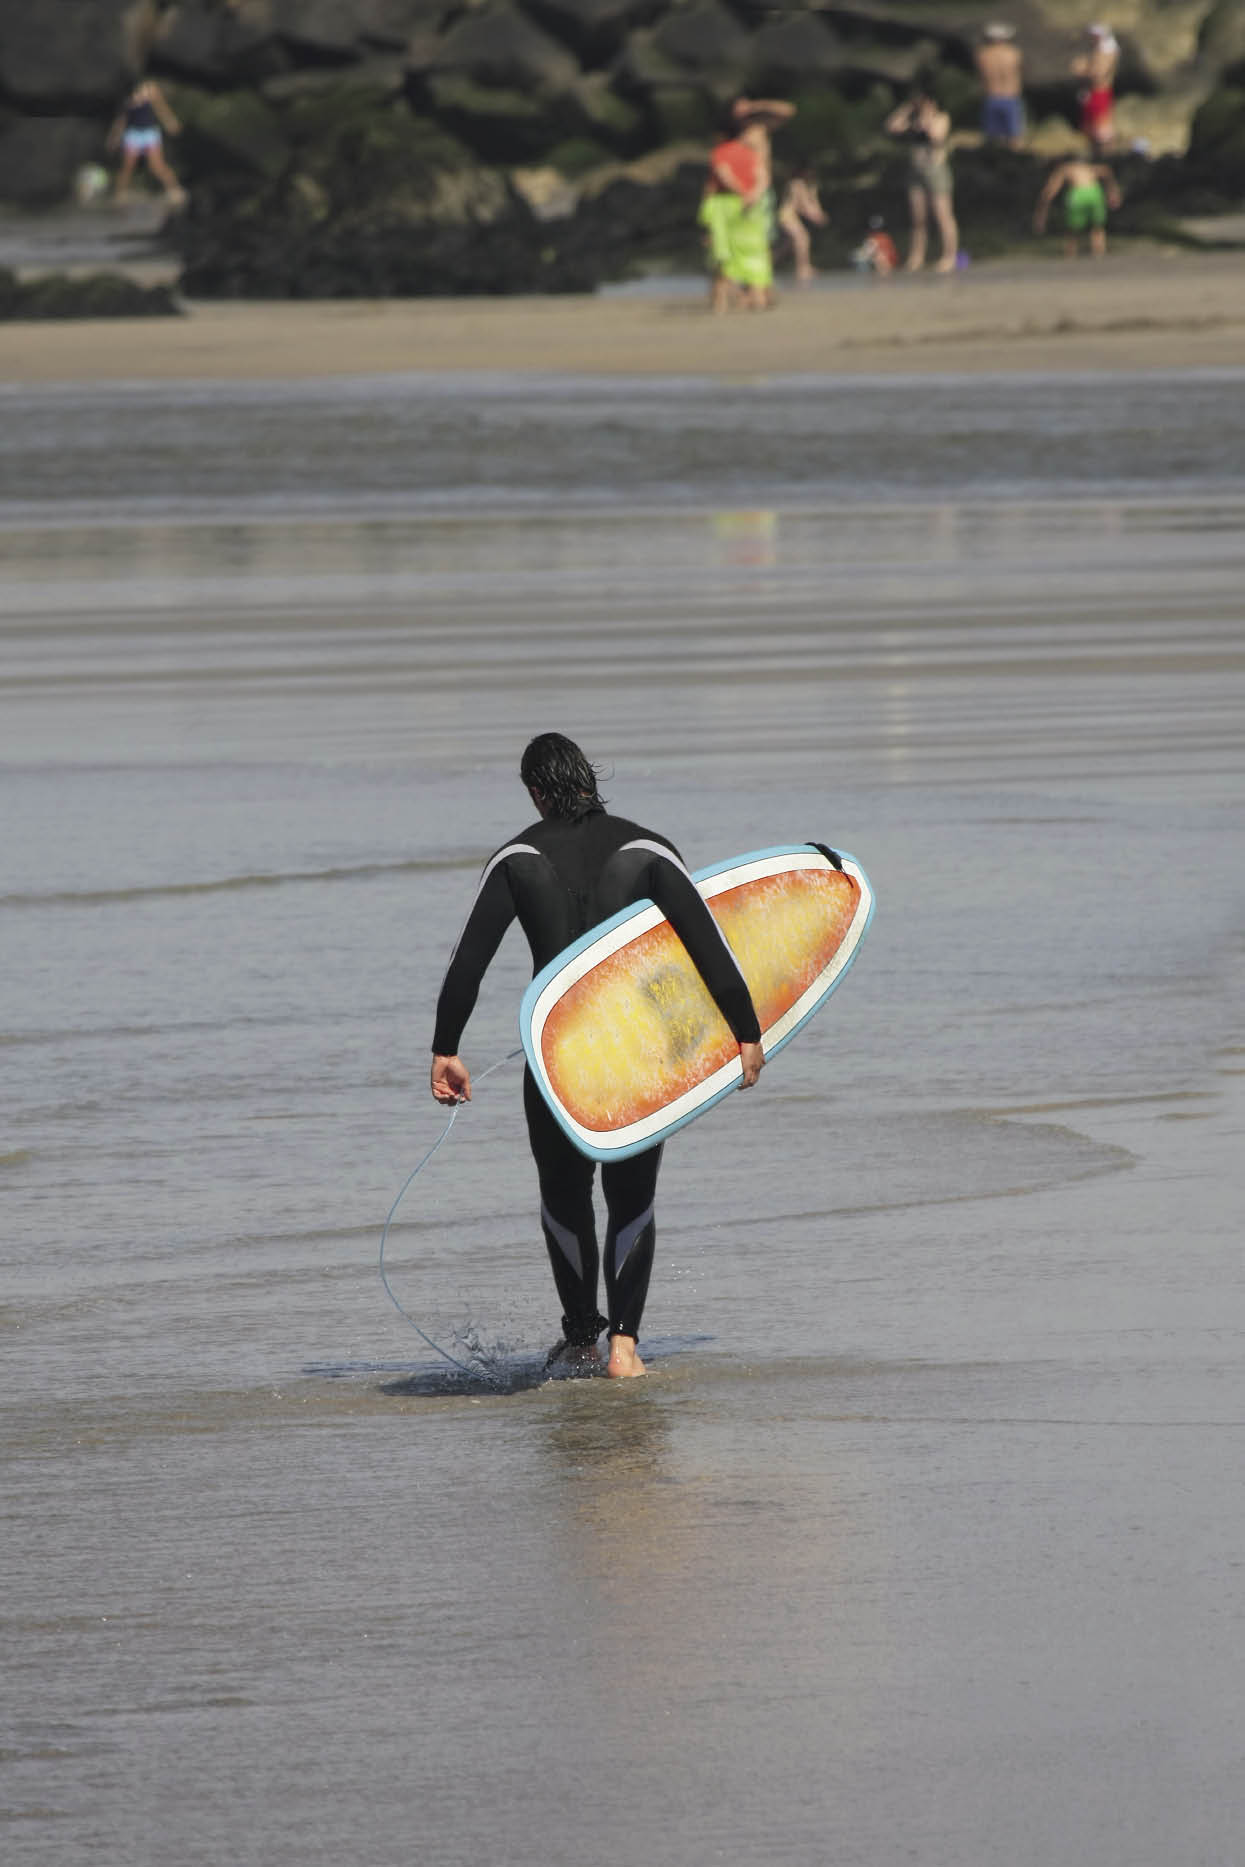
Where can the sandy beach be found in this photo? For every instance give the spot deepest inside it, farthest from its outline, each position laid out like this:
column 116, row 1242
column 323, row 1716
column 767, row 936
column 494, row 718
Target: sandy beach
column 1156, row 309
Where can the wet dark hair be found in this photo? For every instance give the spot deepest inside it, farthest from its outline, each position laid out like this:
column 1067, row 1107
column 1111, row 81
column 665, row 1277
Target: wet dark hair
column 567, row 782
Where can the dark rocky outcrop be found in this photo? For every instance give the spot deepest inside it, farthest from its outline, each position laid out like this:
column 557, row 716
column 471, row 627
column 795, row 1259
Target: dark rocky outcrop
column 435, row 145
column 63, row 53
column 95, row 295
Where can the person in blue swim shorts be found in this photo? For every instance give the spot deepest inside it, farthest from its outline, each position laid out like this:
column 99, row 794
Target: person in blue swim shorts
column 1000, row 68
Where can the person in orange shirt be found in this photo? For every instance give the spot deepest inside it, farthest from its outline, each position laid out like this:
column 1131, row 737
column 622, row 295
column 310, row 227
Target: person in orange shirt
column 877, row 252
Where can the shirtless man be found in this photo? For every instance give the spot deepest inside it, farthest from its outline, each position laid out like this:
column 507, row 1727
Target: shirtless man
column 1091, row 189
column 1098, row 67
column 999, row 63
column 573, row 867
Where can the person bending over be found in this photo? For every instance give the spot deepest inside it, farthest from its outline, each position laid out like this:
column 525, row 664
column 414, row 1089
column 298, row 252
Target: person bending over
column 575, row 866
column 1089, row 189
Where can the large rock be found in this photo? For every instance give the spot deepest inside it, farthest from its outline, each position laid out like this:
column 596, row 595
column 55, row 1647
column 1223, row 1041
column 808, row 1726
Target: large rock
column 326, row 29
column 229, row 42
column 1221, row 38
column 40, row 156
column 595, row 29
column 1217, row 142
column 792, row 52
column 605, row 115
column 706, row 41
column 497, row 45
column 72, row 52
column 390, row 24
column 95, row 295
column 228, row 131
column 500, row 123
column 190, row 42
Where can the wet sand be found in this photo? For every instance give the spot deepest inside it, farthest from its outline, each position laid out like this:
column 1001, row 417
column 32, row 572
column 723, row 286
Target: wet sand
column 920, row 1542
column 1135, row 311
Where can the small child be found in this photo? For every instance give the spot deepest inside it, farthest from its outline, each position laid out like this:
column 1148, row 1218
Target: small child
column 800, row 209
column 1091, row 189
column 877, row 252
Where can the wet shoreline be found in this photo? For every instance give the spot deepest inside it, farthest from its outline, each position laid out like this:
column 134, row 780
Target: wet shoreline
column 1134, row 311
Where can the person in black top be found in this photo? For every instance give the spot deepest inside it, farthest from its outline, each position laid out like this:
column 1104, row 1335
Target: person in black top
column 146, row 118
column 562, row 875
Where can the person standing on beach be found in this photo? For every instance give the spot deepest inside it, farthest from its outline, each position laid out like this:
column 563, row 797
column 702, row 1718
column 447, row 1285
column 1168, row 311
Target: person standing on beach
column 755, row 118
column 800, row 209
column 139, row 130
column 719, row 211
column 1097, row 67
column 1091, row 189
column 926, row 129
column 999, row 65
column 740, row 166
column 561, row 875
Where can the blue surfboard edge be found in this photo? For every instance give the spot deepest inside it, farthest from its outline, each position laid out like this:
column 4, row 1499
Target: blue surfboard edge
column 634, row 908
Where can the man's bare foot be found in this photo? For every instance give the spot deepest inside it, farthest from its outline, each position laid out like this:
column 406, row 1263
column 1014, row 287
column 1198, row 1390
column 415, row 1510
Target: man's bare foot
column 623, row 1361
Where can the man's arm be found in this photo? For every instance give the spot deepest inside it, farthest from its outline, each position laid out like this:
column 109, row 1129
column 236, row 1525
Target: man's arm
column 491, row 913
column 679, row 899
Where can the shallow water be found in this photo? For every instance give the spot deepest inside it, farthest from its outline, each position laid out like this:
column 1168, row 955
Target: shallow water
column 920, row 1542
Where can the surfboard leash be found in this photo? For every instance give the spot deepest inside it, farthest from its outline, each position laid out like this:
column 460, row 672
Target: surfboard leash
column 411, row 1177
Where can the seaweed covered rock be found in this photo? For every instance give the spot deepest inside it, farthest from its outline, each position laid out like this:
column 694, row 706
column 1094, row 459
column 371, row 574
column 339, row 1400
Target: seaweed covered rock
column 90, row 295
column 495, row 237
column 1216, row 158
column 288, row 247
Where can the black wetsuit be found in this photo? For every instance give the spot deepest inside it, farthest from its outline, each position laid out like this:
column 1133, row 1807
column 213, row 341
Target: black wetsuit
column 560, row 877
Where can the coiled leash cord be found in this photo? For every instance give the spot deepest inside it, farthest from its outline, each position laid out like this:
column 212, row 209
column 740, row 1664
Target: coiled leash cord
column 413, row 1175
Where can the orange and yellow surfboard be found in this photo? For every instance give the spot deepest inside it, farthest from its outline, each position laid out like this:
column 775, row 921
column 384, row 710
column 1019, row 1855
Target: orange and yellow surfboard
column 620, row 1030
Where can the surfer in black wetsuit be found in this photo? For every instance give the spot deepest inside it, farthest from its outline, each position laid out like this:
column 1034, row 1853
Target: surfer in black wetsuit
column 558, row 878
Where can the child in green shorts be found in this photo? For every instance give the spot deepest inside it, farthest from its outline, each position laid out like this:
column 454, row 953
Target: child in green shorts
column 1090, row 190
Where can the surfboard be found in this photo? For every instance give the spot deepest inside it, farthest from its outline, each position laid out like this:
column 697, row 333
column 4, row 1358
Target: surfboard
column 620, row 1031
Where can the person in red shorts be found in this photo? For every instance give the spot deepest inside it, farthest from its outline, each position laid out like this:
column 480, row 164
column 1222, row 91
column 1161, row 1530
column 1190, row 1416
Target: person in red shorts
column 1097, row 67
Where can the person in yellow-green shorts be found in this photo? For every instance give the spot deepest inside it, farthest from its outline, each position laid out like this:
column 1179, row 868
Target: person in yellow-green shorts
column 1089, row 189
column 737, row 234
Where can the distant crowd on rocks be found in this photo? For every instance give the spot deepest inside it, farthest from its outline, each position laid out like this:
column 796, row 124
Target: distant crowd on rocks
column 391, row 147
column 745, row 220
